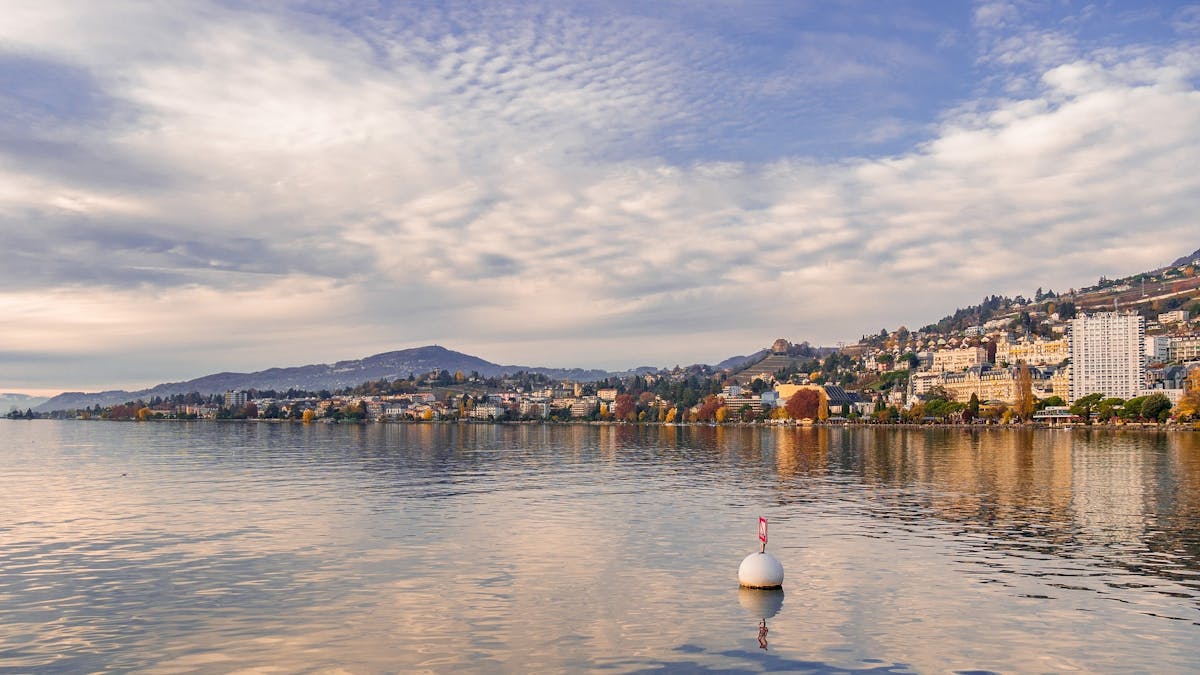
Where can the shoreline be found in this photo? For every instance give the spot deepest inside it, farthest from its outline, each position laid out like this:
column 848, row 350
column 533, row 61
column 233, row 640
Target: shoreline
column 1129, row 426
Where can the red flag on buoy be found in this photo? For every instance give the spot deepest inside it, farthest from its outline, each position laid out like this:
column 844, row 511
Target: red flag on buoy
column 762, row 529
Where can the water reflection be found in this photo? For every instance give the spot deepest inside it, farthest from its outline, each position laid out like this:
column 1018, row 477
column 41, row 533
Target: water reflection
column 216, row 547
column 762, row 604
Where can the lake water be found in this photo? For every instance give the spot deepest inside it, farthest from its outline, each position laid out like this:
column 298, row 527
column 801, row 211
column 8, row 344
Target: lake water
column 215, row 547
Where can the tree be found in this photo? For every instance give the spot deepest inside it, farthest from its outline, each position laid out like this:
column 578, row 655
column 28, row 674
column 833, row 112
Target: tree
column 625, row 407
column 1107, row 408
column 1023, row 397
column 972, row 410
column 708, row 409
column 804, row 404
column 1083, row 407
column 1189, row 404
column 1156, row 408
column 144, row 414
column 309, row 415
column 1049, row 401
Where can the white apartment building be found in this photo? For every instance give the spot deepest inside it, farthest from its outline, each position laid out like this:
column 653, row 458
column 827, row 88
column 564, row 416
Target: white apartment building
column 1107, row 355
column 1158, row 348
column 236, row 399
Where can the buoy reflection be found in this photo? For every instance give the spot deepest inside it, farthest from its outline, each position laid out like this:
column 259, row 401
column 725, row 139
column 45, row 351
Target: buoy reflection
column 762, row 604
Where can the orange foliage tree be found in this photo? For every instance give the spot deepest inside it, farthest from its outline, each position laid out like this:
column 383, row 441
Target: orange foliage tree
column 805, row 403
column 625, row 408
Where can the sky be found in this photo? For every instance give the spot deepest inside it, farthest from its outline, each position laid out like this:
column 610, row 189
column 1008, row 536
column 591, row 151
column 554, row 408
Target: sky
column 196, row 187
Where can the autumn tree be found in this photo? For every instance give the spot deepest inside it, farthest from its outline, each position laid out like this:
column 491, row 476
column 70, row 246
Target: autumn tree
column 805, row 403
column 625, row 408
column 1189, row 405
column 1023, row 396
column 708, row 409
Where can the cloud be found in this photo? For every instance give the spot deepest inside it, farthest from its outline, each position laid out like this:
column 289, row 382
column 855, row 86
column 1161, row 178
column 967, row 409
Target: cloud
column 556, row 185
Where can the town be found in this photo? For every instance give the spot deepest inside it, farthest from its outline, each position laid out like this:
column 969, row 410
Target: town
column 1052, row 359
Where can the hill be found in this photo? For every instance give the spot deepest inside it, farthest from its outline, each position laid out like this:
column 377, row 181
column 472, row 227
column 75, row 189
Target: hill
column 1188, row 259
column 1171, row 287
column 10, row 401
column 388, row 365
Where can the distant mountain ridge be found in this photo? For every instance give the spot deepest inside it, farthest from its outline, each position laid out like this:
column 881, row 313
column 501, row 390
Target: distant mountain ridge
column 1188, row 259
column 9, row 401
column 388, row 365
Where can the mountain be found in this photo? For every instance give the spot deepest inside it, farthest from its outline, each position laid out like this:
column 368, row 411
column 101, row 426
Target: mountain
column 10, row 401
column 389, row 365
column 1188, row 259
column 739, row 362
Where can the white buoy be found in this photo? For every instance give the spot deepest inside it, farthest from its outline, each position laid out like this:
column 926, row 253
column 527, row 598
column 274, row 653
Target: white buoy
column 760, row 570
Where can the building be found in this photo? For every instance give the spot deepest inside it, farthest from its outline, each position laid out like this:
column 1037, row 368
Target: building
column 1055, row 382
column 535, row 408
column 920, row 383
column 236, row 400
column 1177, row 316
column 1002, row 384
column 487, row 411
column 950, row 360
column 1184, row 349
column 1037, row 352
column 1158, row 348
column 584, row 406
column 840, row 400
column 1107, row 355
column 737, row 403
column 984, row 382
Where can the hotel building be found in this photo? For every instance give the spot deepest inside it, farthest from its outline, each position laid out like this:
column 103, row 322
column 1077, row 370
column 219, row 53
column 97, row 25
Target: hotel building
column 1107, row 355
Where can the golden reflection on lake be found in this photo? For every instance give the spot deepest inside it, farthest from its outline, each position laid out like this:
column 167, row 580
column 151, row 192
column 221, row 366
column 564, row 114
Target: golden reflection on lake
column 205, row 547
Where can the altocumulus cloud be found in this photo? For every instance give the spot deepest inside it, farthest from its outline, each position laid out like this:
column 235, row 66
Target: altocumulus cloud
column 216, row 186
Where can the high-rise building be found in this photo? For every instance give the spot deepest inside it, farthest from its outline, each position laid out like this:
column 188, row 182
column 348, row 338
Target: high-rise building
column 1107, row 355
column 235, row 399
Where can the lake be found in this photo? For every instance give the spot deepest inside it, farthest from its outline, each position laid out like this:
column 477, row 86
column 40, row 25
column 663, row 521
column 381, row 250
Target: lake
column 183, row 547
